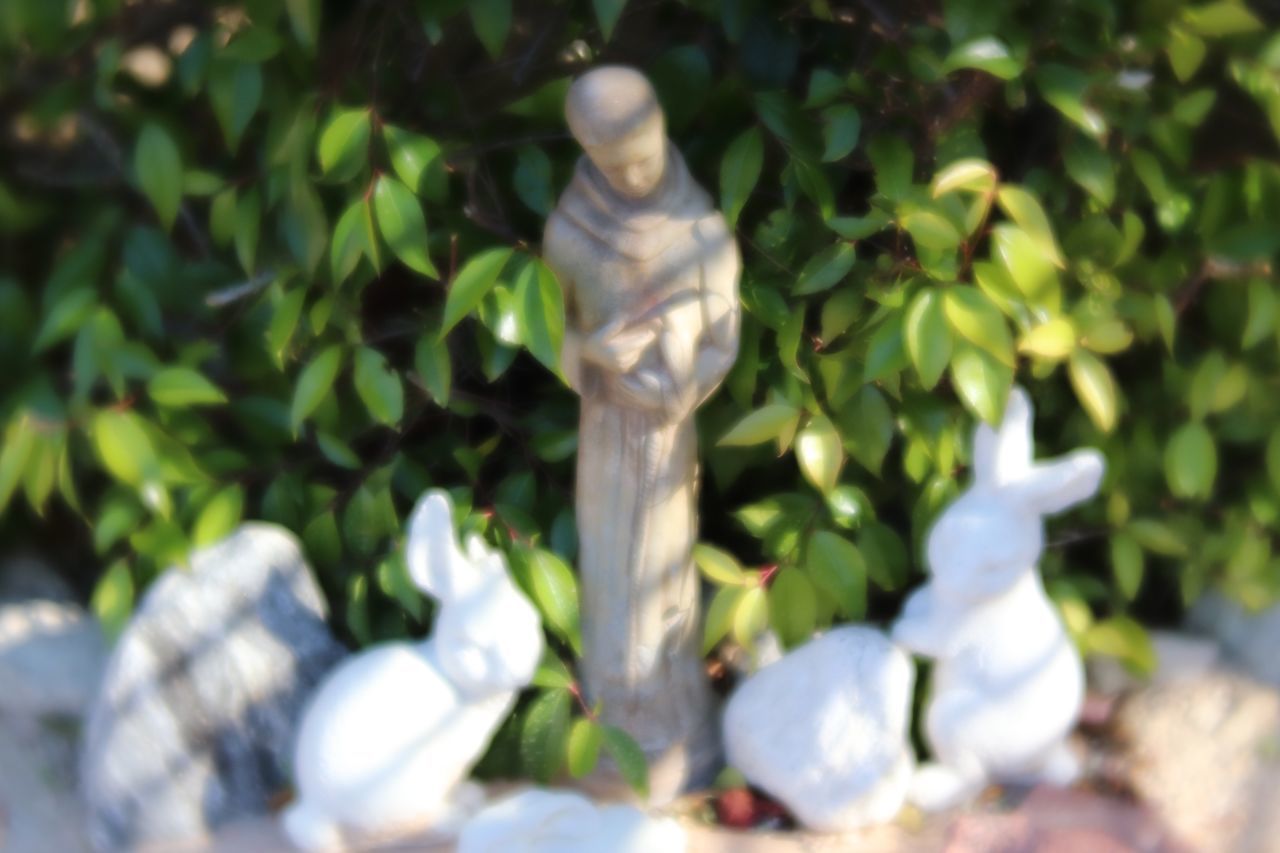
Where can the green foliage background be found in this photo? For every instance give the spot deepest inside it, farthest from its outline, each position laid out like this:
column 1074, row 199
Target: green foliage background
column 277, row 259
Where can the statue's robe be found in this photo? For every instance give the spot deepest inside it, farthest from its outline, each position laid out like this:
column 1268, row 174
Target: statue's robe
column 668, row 262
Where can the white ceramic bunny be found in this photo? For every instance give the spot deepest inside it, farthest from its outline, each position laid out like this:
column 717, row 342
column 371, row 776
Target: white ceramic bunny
column 390, row 737
column 1008, row 683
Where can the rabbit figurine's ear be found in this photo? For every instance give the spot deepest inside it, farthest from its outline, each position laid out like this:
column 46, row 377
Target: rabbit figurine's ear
column 1004, row 456
column 432, row 549
column 1053, row 486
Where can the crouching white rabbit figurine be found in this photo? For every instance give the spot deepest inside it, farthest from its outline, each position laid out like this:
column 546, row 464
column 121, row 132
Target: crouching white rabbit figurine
column 1008, row 683
column 388, row 740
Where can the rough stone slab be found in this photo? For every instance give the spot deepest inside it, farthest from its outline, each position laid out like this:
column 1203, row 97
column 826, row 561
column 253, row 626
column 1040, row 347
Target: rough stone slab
column 1205, row 755
column 51, row 658
column 195, row 720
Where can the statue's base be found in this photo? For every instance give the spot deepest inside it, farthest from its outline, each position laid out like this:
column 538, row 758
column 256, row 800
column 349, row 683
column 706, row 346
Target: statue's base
column 673, row 773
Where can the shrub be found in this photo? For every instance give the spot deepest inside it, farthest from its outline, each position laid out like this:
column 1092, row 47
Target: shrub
column 278, row 259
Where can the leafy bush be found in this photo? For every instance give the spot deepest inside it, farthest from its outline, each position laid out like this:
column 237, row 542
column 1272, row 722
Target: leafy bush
column 278, row 259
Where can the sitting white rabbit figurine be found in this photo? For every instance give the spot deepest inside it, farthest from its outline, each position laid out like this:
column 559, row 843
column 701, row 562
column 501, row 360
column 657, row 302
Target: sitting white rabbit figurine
column 389, row 738
column 1008, row 683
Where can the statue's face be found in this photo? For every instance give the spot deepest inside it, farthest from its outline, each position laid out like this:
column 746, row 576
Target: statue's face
column 634, row 164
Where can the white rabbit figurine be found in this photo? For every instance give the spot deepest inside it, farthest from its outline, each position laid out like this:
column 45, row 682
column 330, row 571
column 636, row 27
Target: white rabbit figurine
column 1008, row 683
column 389, row 738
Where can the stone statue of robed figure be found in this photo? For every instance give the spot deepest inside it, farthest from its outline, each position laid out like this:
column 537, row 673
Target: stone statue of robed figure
column 650, row 275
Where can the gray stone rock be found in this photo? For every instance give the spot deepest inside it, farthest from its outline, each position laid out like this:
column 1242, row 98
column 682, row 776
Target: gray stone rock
column 195, row 720
column 1252, row 639
column 28, row 579
column 51, row 658
column 39, row 810
column 1179, row 656
column 1204, row 754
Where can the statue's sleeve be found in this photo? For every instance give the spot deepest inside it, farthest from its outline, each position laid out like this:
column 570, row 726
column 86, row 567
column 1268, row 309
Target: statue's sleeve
column 718, row 347
column 557, row 248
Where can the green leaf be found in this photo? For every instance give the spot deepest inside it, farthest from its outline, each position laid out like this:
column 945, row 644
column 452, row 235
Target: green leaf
column 718, row 566
column 1223, row 18
column 491, row 21
column 378, row 386
column 351, row 240
column 1123, row 639
column 402, row 225
column 248, row 227
column 837, row 568
column 314, row 384
column 1065, row 89
column 556, row 592
column 540, row 312
column 124, row 447
column 1158, row 537
column 179, row 387
column 1186, row 51
column 868, row 427
column 982, row 382
column 219, row 517
column 719, row 616
column 431, row 361
column 1126, row 564
column 841, row 126
column 739, row 171
column 928, row 336
column 764, row 424
column 1030, row 270
column 820, row 452
column 814, row 184
column 931, row 231
column 235, row 90
column 304, row 17
column 532, row 179
column 1191, row 461
column 112, row 600
column 1054, row 339
column 975, row 317
column 544, row 733
column 987, row 54
column 552, row 672
column 1022, row 207
column 884, row 555
column 1095, row 388
column 750, row 617
column 357, row 615
column 585, row 740
column 19, row 438
column 793, row 607
column 284, row 322
column 416, row 159
column 158, row 165
column 476, row 278
column 65, row 317
column 893, row 163
column 1089, row 166
column 1273, row 459
column 607, row 14
column 630, row 759
column 344, row 144
column 968, row 175
column 825, row 269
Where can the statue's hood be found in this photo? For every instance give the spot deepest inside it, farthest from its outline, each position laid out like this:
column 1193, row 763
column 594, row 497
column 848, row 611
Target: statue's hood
column 640, row 229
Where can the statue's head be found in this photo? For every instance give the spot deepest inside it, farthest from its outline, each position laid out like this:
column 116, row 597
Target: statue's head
column 614, row 114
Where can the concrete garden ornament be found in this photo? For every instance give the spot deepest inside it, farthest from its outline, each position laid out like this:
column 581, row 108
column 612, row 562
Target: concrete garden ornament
column 650, row 276
column 537, row 821
column 390, row 737
column 824, row 729
column 1008, row 683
